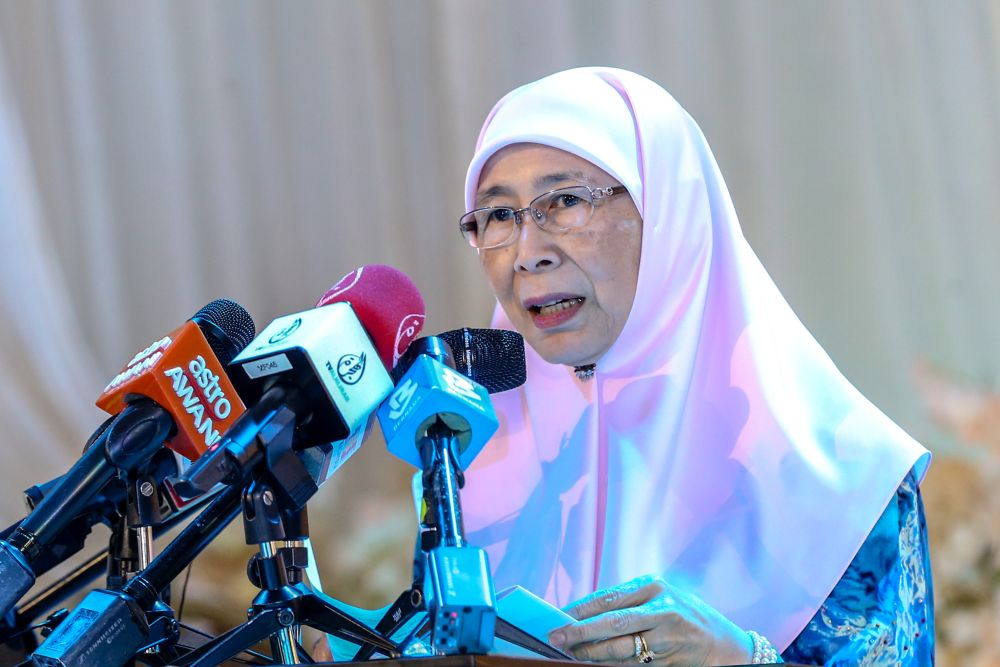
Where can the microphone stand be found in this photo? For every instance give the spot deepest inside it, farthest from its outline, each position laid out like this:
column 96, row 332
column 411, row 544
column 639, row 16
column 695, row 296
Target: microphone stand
column 461, row 616
column 110, row 627
column 453, row 553
column 16, row 634
column 409, row 603
column 129, row 547
column 128, row 443
column 274, row 519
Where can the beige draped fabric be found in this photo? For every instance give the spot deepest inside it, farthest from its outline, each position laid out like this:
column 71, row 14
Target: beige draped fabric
column 156, row 155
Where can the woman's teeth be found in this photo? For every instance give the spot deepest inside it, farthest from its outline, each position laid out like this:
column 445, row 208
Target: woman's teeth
column 553, row 308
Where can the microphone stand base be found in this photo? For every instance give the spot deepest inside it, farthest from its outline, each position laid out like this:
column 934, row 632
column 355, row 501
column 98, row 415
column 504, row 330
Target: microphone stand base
column 276, row 610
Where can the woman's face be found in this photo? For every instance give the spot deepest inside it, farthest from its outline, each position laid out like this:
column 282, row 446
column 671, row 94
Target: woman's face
column 568, row 293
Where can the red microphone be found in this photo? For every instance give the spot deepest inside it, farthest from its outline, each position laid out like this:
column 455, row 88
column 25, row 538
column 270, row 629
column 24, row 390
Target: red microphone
column 386, row 302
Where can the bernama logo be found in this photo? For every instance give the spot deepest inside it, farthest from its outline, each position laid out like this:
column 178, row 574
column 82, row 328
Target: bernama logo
column 194, row 401
column 351, row 367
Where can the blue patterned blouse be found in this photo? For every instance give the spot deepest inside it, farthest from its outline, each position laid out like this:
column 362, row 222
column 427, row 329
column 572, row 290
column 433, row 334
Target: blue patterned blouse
column 881, row 612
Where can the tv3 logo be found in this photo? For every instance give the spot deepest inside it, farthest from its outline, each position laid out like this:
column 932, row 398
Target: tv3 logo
column 401, row 398
column 455, row 384
column 459, row 384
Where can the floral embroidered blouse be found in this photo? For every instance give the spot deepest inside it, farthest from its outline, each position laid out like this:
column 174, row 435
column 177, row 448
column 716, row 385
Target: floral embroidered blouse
column 881, row 612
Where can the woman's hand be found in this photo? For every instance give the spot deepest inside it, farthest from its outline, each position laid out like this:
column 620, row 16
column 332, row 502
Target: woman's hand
column 678, row 628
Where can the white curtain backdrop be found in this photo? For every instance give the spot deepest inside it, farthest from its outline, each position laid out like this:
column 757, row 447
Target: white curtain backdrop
column 156, row 155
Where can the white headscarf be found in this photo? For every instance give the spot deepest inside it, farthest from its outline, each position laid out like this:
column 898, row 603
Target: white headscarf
column 717, row 444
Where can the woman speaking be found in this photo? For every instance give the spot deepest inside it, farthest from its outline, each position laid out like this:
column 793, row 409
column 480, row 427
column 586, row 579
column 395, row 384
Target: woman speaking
column 685, row 470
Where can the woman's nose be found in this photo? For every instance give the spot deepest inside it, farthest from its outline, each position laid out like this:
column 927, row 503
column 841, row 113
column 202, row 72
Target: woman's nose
column 537, row 250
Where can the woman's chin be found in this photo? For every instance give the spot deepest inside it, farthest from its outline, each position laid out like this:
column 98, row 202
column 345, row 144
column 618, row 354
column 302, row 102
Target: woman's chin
column 566, row 353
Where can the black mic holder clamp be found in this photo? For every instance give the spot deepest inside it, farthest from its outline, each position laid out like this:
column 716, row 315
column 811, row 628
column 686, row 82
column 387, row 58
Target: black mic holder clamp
column 123, row 554
column 143, row 505
column 134, row 534
column 288, row 476
column 258, row 445
column 238, row 457
column 130, row 547
column 284, row 568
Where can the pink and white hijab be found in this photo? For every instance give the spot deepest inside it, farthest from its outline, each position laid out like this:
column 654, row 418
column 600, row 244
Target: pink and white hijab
column 717, row 443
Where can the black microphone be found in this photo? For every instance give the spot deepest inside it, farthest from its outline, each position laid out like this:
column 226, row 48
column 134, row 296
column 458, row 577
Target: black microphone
column 493, row 358
column 109, row 627
column 172, row 392
column 439, row 420
column 106, row 507
column 436, row 421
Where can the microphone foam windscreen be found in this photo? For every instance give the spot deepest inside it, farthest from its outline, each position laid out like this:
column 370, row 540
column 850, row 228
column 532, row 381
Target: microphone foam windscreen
column 387, row 303
column 227, row 326
column 492, row 357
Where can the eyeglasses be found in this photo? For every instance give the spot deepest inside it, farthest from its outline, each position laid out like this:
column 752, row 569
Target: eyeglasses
column 555, row 211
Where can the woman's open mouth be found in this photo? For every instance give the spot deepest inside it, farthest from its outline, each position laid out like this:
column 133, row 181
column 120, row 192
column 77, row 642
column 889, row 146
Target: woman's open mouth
column 554, row 312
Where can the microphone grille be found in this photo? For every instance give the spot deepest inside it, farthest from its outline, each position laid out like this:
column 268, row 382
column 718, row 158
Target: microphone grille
column 492, row 357
column 387, row 303
column 227, row 326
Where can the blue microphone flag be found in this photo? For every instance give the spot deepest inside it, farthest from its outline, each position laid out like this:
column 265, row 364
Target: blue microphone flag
column 429, row 389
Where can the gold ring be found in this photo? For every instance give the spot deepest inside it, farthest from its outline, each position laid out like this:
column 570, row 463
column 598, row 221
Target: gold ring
column 642, row 652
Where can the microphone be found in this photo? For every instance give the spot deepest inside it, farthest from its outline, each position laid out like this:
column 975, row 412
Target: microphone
column 429, row 389
column 317, row 372
column 173, row 392
column 387, row 303
column 460, row 599
column 493, row 358
column 183, row 372
column 438, row 420
column 326, row 366
column 107, row 506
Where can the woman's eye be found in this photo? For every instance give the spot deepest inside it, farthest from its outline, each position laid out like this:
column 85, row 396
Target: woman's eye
column 501, row 215
column 565, row 201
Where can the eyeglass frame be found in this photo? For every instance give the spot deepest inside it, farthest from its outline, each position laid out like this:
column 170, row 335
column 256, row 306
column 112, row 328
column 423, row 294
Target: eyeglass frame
column 596, row 194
